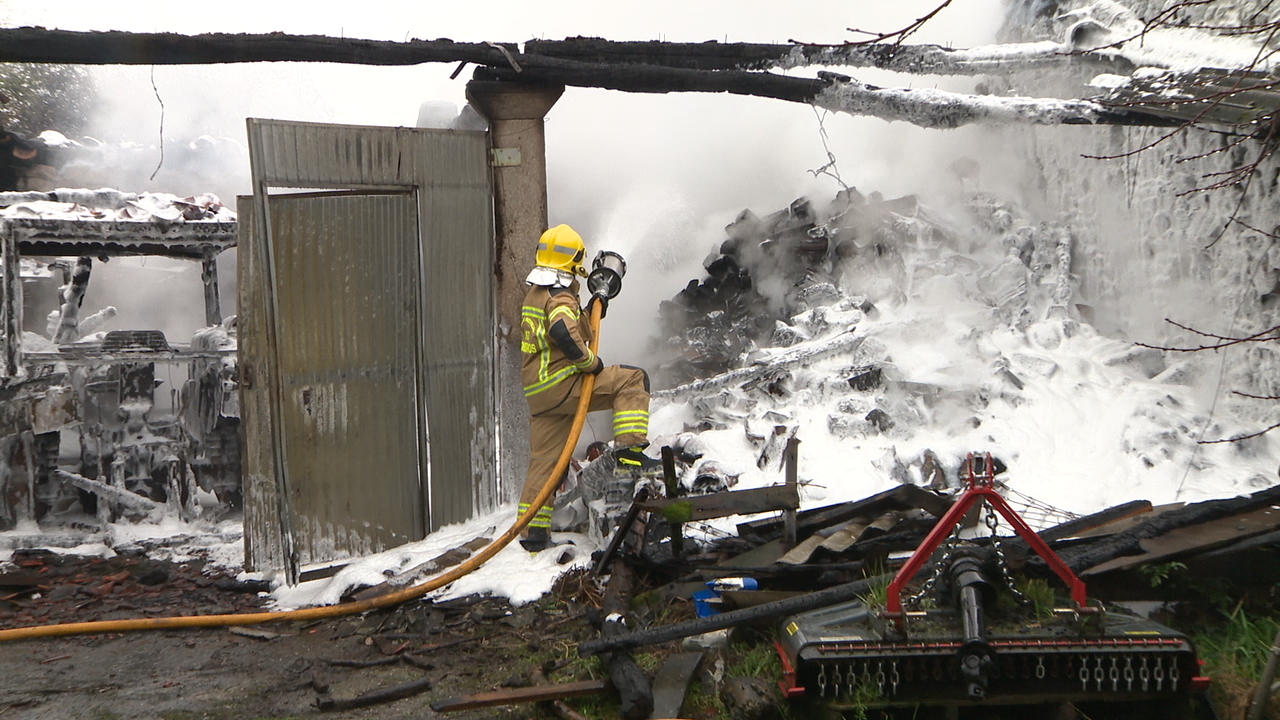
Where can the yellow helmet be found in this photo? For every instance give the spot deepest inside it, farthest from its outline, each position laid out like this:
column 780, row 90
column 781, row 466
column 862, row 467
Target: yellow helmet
column 561, row 248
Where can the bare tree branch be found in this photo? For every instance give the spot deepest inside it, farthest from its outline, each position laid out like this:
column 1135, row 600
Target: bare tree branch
column 1238, row 438
column 1272, row 333
column 1255, row 397
column 900, row 35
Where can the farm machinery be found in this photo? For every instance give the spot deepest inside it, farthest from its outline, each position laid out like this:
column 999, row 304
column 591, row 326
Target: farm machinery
column 970, row 639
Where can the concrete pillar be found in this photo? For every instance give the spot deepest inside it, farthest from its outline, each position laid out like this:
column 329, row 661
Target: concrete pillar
column 519, row 157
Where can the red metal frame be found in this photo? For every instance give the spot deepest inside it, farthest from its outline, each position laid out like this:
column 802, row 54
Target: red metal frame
column 790, row 682
column 981, row 488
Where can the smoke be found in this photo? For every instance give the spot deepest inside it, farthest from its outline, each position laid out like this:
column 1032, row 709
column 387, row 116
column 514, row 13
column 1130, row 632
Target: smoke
column 655, row 177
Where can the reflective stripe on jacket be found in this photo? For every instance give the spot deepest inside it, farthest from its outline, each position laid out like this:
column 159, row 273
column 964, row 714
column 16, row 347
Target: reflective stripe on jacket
column 555, row 336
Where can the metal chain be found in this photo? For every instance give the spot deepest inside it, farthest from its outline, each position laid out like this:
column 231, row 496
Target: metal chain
column 993, row 521
column 939, row 567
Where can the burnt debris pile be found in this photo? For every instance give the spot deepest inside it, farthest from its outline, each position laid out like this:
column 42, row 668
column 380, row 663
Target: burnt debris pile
column 769, row 271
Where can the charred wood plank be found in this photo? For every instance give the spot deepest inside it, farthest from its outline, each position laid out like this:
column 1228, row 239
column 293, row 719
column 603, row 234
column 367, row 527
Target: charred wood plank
column 927, row 108
column 733, row 618
column 539, row 677
column 1096, row 520
column 1189, row 540
column 671, row 683
column 805, row 352
column 1129, row 542
column 395, row 692
column 672, row 482
column 903, row 497
column 722, row 504
column 516, row 696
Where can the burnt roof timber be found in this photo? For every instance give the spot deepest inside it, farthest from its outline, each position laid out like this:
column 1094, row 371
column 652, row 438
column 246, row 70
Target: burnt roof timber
column 36, row 44
column 51, row 237
column 506, row 62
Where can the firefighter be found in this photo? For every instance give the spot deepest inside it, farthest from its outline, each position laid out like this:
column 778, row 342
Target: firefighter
column 556, row 355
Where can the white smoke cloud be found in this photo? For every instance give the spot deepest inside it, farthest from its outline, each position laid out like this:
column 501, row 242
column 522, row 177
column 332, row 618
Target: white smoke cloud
column 652, row 176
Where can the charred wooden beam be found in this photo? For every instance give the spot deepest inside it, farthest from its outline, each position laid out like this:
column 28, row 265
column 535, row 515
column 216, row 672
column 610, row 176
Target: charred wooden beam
column 35, row 44
column 722, row 504
column 1096, row 520
column 1129, row 542
column 924, row 107
column 110, row 493
column 917, row 59
column 650, row 79
column 903, row 497
column 40, row 45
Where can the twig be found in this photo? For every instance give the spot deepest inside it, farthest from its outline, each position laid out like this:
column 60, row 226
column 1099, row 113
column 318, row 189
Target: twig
column 902, row 34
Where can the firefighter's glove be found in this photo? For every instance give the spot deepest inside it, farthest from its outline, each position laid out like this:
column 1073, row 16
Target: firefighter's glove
column 595, row 369
column 604, row 305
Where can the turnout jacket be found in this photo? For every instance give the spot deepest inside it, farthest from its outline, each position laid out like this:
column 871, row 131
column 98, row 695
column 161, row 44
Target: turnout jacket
column 554, row 345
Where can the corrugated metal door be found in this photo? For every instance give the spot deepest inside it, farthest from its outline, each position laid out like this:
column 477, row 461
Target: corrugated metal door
column 347, row 292
column 371, row 335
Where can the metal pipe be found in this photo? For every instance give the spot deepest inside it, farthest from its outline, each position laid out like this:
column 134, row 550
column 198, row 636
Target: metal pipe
column 975, row 653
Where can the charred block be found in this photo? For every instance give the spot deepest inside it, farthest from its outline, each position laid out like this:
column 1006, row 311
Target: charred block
column 867, row 379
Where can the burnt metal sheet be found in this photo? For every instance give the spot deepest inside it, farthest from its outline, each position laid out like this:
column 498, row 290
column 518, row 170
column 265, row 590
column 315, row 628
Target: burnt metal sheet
column 423, row 251
column 1196, row 538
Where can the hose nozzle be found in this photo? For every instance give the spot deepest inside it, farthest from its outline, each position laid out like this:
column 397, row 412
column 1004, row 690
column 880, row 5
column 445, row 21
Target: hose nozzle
column 607, row 270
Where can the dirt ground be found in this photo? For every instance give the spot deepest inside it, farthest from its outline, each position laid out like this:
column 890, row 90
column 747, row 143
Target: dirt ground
column 283, row 670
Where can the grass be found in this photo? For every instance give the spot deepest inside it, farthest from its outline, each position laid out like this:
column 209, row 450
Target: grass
column 1042, row 595
column 877, row 596
column 754, row 659
column 1235, row 653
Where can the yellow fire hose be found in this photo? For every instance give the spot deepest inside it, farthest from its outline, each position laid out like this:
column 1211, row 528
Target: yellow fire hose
column 351, row 608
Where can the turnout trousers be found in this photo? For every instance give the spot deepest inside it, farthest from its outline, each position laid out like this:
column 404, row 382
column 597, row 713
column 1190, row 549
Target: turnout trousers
column 620, row 388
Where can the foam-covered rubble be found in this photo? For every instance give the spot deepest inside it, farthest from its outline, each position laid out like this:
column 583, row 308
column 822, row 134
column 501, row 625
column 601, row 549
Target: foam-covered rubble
column 108, row 204
column 977, row 342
